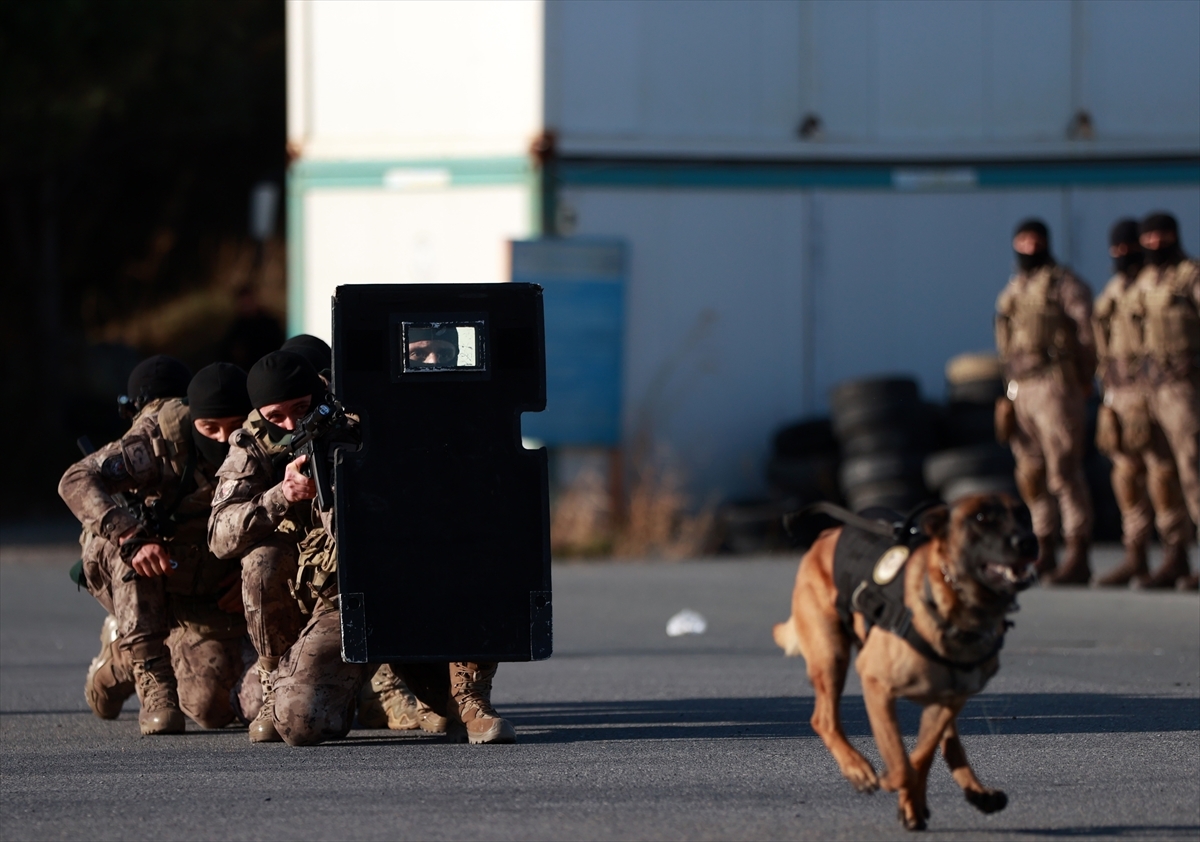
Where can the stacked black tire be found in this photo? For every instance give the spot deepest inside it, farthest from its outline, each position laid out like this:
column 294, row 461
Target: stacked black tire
column 884, row 431
column 972, row 461
column 802, row 469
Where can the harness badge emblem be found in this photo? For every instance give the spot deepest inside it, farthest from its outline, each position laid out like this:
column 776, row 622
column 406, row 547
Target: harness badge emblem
column 889, row 564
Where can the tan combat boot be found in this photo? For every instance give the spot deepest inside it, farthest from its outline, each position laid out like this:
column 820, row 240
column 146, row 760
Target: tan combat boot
column 1133, row 567
column 110, row 677
column 1174, row 568
column 160, row 713
column 1047, row 559
column 262, row 728
column 1075, row 569
column 472, row 719
column 386, row 702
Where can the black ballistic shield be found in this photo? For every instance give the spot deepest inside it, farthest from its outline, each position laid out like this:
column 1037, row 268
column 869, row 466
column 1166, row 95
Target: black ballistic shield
column 443, row 517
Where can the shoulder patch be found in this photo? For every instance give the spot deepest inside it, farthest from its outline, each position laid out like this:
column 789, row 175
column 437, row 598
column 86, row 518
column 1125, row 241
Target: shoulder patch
column 113, row 469
column 139, row 458
column 224, row 492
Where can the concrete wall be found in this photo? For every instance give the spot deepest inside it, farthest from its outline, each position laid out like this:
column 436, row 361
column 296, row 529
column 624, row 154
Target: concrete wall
column 369, row 80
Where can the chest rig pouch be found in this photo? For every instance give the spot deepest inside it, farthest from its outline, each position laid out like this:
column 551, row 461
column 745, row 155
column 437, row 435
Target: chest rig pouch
column 1037, row 323
column 1172, row 322
column 442, row 516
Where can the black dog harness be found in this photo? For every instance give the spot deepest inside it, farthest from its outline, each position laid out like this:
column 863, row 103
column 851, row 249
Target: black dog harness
column 868, row 571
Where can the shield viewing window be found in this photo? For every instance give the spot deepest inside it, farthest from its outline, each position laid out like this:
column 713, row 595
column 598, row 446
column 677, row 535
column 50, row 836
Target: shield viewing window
column 442, row 518
column 442, row 346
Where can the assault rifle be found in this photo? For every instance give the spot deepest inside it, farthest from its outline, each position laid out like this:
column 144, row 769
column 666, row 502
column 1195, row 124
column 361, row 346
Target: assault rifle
column 325, row 429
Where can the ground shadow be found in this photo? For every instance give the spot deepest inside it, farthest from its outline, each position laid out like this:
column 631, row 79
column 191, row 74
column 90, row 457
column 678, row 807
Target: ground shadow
column 757, row 718
column 1119, row 831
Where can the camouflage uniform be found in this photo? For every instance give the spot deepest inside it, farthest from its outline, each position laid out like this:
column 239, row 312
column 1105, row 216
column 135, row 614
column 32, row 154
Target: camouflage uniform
column 155, row 462
column 1171, row 296
column 1147, row 491
column 253, row 522
column 1044, row 336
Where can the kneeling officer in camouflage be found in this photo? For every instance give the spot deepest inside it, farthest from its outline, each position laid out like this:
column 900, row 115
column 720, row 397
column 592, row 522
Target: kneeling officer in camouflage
column 144, row 499
column 309, row 695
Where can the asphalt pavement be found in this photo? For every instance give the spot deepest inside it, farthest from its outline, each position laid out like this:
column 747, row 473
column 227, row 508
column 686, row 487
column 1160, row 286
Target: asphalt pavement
column 1092, row 727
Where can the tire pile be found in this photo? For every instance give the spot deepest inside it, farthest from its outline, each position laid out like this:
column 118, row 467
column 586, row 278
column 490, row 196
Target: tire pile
column 884, row 431
column 971, row 461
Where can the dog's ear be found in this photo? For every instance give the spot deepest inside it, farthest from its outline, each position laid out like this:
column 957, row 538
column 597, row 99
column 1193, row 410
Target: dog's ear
column 936, row 522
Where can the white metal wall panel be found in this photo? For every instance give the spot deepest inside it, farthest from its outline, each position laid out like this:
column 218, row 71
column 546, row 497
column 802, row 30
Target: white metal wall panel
column 1142, row 67
column 900, row 282
column 406, row 79
column 381, row 237
column 714, row 346
column 906, row 281
column 666, row 70
column 901, row 73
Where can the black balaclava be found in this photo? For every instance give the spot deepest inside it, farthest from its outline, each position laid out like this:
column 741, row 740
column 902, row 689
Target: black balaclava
column 282, row 376
column 159, row 376
column 217, row 391
column 1168, row 255
column 313, row 349
column 1125, row 233
column 1030, row 262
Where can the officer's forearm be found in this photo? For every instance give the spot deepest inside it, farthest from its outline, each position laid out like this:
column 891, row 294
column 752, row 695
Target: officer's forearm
column 85, row 494
column 235, row 528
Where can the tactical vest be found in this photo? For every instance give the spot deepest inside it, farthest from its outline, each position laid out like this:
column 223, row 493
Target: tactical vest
column 1172, row 323
column 1120, row 321
column 186, row 506
column 274, row 458
column 316, row 574
column 1037, row 324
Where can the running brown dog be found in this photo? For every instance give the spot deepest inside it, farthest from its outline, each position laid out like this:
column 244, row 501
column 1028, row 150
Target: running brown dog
column 936, row 643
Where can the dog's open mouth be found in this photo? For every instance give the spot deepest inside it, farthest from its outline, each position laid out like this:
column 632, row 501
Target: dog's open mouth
column 1020, row 575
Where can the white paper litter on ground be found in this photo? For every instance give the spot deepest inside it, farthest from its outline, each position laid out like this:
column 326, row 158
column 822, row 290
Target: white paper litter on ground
column 686, row 622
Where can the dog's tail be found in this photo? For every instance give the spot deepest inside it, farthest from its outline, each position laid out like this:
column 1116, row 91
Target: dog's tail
column 786, row 637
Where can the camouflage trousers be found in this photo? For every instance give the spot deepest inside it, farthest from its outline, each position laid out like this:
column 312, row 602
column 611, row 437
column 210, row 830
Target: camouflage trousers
column 316, row 691
column 1145, row 481
column 1175, row 430
column 1048, row 445
column 273, row 619
column 204, row 643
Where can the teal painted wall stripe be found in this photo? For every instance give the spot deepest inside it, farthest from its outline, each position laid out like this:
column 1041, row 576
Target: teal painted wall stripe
column 462, row 171
column 308, row 175
column 774, row 175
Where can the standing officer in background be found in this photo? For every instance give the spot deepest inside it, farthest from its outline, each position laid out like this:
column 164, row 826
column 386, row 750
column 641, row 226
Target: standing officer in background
column 1044, row 336
column 1123, row 429
column 178, row 621
column 1170, row 288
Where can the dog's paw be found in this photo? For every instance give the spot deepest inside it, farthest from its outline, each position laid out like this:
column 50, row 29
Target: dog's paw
column 988, row 801
column 860, row 774
column 912, row 822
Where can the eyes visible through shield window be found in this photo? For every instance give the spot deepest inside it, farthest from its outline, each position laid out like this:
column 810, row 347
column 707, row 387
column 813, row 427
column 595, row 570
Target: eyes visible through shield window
column 442, row 346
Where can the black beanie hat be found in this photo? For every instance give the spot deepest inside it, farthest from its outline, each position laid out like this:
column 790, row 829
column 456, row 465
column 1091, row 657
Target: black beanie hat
column 1160, row 221
column 282, row 376
column 159, row 376
column 1123, row 233
column 445, row 333
column 313, row 349
column 218, row 391
column 1035, row 226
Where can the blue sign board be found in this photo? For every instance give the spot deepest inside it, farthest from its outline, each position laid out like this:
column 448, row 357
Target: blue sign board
column 584, row 304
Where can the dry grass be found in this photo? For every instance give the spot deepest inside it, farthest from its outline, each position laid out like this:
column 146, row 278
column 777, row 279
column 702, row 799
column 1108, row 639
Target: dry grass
column 657, row 521
column 190, row 324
